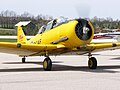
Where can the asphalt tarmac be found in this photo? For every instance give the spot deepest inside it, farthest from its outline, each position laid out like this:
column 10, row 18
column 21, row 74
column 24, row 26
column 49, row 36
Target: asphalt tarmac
column 68, row 73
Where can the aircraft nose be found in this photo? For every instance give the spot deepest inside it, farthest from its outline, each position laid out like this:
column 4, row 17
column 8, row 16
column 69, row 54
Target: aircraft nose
column 83, row 30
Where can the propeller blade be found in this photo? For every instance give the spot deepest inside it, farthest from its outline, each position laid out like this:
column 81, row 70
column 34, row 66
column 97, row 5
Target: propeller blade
column 83, row 10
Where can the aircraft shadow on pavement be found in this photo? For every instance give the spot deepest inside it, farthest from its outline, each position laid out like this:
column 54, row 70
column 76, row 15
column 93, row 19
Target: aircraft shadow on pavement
column 58, row 67
column 41, row 63
column 117, row 58
column 103, row 55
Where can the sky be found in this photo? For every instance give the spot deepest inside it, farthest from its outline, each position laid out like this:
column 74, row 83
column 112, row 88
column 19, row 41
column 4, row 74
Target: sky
column 66, row 8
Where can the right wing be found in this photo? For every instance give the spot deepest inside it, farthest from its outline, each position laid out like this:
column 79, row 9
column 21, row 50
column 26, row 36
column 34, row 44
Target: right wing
column 28, row 49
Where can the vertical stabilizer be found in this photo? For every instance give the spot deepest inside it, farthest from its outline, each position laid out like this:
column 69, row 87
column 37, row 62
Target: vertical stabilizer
column 21, row 38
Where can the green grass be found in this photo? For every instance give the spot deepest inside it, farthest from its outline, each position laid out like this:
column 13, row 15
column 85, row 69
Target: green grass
column 4, row 31
column 8, row 40
column 7, row 29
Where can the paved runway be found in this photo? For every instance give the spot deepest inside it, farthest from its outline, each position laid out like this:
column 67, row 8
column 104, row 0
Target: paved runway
column 69, row 73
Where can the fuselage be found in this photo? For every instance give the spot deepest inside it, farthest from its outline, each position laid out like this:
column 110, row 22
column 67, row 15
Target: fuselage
column 70, row 34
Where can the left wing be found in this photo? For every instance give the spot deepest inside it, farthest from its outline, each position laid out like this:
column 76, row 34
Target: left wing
column 102, row 46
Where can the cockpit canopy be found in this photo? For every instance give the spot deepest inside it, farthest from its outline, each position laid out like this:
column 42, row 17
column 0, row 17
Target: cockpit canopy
column 52, row 24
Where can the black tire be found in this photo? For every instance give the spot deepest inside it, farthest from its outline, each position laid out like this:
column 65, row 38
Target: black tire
column 47, row 64
column 92, row 63
column 23, row 60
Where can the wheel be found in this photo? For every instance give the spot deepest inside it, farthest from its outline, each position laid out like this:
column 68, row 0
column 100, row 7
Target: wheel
column 47, row 64
column 23, row 60
column 92, row 63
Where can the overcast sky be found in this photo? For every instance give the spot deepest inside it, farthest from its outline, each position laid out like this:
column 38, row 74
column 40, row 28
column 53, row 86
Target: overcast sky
column 66, row 8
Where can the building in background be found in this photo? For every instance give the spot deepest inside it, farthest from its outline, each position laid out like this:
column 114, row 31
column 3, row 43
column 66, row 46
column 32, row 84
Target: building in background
column 29, row 28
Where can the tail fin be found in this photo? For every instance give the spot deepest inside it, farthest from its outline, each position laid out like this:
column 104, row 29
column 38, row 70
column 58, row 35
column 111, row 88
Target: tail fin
column 21, row 38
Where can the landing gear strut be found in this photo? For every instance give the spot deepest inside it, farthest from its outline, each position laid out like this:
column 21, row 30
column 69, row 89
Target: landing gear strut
column 47, row 64
column 23, row 59
column 92, row 62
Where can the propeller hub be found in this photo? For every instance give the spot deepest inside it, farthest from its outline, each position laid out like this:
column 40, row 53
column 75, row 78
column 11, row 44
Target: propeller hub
column 83, row 30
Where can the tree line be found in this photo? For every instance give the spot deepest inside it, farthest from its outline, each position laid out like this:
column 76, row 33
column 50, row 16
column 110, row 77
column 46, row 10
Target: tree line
column 105, row 23
column 9, row 18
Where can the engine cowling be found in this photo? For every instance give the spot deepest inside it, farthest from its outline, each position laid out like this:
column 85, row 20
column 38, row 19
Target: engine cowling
column 80, row 33
column 84, row 30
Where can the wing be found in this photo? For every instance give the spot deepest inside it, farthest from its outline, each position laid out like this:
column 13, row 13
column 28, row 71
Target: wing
column 102, row 46
column 84, row 49
column 41, row 49
column 28, row 49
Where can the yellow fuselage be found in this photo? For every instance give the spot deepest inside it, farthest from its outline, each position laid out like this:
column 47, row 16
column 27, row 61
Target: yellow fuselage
column 63, row 31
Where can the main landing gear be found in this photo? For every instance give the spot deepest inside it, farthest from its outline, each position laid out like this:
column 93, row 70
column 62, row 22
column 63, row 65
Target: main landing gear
column 23, row 59
column 92, row 62
column 47, row 64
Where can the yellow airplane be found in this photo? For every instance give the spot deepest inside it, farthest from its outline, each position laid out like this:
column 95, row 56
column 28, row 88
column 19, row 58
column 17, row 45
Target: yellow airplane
column 59, row 37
